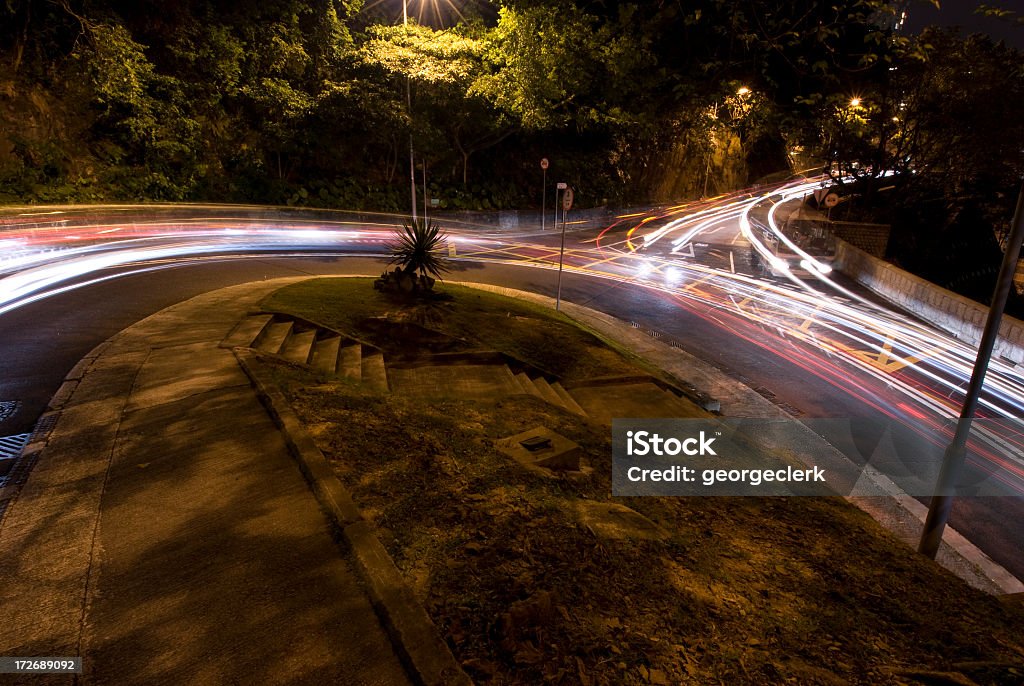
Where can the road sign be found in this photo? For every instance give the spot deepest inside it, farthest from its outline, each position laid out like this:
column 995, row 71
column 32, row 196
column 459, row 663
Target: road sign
column 544, row 163
column 567, row 199
column 831, row 200
column 562, row 185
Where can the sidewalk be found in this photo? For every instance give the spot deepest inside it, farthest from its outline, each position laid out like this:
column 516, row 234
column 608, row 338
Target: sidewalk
column 166, row 534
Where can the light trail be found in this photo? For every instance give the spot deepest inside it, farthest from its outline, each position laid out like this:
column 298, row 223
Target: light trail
column 823, row 328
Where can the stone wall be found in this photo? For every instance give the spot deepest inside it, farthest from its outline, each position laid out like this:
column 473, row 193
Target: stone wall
column 872, row 238
column 960, row 316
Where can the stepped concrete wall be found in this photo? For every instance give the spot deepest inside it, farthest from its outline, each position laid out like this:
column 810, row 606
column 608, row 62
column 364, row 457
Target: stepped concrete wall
column 960, row 316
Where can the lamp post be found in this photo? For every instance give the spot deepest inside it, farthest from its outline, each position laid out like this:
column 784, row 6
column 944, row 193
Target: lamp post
column 408, row 105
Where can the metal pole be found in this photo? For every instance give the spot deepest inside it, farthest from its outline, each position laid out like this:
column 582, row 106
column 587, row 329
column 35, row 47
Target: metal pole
column 543, row 198
column 424, row 191
column 707, row 173
column 561, row 254
column 953, row 459
column 408, row 105
column 554, row 218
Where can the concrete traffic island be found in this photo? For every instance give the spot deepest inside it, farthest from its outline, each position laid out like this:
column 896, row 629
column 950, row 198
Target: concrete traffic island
column 167, row 536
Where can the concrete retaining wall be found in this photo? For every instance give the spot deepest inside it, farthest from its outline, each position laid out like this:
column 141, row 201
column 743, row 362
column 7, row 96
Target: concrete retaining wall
column 954, row 313
column 530, row 220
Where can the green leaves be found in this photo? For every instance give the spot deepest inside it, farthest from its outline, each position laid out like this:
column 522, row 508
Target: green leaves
column 423, row 54
column 418, row 248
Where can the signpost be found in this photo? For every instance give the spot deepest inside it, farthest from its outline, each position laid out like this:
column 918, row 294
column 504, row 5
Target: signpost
column 566, row 206
column 561, row 186
column 544, row 191
column 953, row 459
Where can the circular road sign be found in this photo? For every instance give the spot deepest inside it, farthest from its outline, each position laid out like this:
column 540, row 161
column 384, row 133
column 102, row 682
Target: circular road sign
column 831, row 200
column 544, row 163
column 567, row 199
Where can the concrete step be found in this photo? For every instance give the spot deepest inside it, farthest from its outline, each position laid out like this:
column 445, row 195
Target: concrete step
column 527, row 384
column 676, row 405
column 509, row 379
column 375, row 375
column 637, row 398
column 299, row 347
column 350, row 361
column 247, row 332
column 567, row 400
column 547, row 393
column 325, row 354
column 275, row 336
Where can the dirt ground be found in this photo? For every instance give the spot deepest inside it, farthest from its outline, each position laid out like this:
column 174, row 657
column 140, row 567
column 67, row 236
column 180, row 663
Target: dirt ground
column 548, row 579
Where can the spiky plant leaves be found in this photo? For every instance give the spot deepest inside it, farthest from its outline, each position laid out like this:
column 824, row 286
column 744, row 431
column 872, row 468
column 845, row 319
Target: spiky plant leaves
column 417, row 248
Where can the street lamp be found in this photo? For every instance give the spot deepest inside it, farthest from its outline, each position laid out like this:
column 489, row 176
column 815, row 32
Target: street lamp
column 408, row 105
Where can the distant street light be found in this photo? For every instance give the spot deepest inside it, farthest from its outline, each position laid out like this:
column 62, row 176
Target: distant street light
column 743, row 90
column 855, row 102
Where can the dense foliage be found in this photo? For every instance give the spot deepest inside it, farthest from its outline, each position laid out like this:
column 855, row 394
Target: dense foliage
column 305, row 102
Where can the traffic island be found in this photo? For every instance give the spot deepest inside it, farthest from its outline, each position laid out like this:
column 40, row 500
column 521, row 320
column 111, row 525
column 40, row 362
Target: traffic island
column 532, row 578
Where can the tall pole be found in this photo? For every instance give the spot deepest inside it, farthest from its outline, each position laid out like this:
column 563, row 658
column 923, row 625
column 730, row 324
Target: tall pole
column 953, row 460
column 408, row 105
column 543, row 197
column 561, row 254
column 424, row 190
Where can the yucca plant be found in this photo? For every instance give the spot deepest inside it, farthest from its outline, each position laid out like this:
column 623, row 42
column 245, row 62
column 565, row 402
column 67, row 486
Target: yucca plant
column 417, row 249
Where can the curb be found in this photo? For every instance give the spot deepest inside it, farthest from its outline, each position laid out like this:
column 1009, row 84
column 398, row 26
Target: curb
column 416, row 640
column 40, row 435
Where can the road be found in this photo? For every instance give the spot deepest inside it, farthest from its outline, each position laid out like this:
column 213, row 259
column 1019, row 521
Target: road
column 71, row 280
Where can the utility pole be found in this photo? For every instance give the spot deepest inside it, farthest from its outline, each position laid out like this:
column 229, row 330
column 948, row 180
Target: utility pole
column 953, row 459
column 408, row 105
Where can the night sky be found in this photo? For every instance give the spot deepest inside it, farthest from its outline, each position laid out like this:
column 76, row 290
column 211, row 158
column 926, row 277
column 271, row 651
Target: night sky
column 961, row 13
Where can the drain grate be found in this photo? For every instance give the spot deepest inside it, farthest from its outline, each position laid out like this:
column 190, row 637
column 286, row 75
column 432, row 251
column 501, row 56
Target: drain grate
column 11, row 446
column 8, row 408
column 44, row 426
column 19, row 473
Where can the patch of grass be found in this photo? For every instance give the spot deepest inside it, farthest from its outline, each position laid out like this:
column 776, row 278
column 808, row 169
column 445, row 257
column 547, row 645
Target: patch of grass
column 539, row 336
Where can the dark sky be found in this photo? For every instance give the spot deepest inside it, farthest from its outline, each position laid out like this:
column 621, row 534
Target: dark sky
column 961, row 13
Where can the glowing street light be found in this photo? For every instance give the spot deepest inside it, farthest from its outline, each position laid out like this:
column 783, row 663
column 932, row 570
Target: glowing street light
column 855, row 102
column 742, row 90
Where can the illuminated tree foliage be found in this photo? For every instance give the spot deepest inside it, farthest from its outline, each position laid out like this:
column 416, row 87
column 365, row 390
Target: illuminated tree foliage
column 305, row 102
